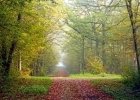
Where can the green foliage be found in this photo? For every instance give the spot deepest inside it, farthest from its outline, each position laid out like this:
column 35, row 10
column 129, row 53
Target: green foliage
column 73, row 49
column 97, row 76
column 8, row 85
column 119, row 93
column 45, row 62
column 35, row 81
column 107, row 34
column 34, row 85
column 14, row 72
column 131, row 78
column 95, row 65
column 116, row 88
column 28, row 24
column 31, row 85
column 34, row 89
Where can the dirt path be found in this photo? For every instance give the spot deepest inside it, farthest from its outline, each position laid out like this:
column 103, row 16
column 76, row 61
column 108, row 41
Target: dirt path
column 71, row 89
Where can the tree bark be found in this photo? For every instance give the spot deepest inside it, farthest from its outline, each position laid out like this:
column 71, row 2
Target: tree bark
column 96, row 39
column 19, row 62
column 10, row 56
column 3, row 57
column 133, row 21
column 103, row 45
column 7, row 56
column 83, row 54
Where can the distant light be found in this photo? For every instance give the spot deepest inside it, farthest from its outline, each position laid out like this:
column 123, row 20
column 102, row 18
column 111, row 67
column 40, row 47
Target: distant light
column 60, row 64
column 69, row 2
column 62, row 54
column 66, row 1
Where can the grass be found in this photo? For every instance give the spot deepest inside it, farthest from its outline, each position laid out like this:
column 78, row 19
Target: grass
column 33, row 89
column 28, row 87
column 116, row 88
column 112, row 84
column 109, row 83
column 98, row 76
column 34, row 85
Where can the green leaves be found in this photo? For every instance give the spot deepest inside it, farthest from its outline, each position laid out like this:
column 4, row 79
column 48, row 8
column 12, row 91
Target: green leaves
column 29, row 24
column 34, row 89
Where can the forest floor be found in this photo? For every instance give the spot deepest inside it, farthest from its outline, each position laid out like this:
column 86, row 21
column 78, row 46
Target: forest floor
column 75, row 89
column 64, row 88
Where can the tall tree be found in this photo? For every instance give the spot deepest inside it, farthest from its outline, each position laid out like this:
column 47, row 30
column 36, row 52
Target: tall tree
column 133, row 10
column 10, row 30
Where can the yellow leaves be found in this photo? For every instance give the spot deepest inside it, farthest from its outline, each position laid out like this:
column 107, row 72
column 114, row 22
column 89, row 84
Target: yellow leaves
column 95, row 65
column 39, row 18
column 25, row 72
column 24, row 34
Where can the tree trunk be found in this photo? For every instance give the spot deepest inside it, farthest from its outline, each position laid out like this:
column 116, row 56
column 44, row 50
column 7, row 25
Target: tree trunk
column 96, row 39
column 10, row 55
column 133, row 18
column 103, row 45
column 4, row 57
column 19, row 62
column 83, row 54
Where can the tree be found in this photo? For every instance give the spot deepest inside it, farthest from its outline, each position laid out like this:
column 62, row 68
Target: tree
column 133, row 10
column 105, row 27
column 24, row 30
column 10, row 30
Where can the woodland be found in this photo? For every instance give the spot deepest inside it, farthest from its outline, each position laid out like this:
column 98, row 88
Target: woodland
column 51, row 46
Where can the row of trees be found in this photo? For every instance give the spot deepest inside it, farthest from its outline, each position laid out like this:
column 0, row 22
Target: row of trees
column 26, row 28
column 103, row 35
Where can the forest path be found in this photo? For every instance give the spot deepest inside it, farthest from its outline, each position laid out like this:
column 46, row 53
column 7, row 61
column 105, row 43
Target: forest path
column 75, row 89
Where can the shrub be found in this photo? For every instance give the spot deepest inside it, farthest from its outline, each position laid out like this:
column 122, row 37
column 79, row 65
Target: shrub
column 95, row 65
column 35, row 81
column 7, row 83
column 25, row 72
column 25, row 85
column 132, row 81
column 131, row 78
column 14, row 72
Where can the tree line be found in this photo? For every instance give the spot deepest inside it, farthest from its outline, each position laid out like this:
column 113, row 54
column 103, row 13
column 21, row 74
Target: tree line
column 103, row 33
column 26, row 33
